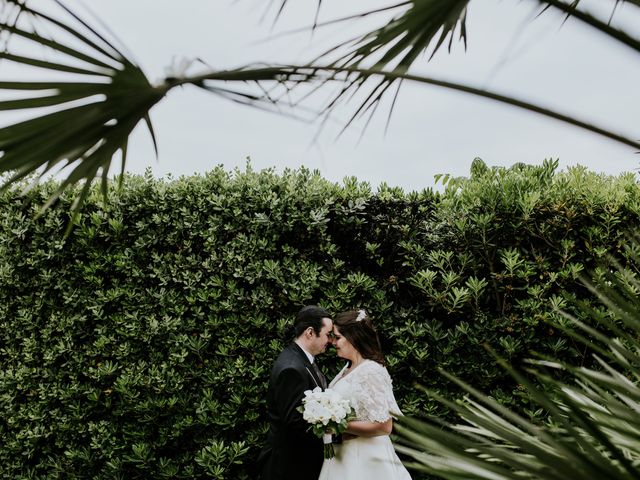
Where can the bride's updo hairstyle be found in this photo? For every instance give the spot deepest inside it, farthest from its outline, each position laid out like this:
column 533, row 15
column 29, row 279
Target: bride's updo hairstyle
column 356, row 327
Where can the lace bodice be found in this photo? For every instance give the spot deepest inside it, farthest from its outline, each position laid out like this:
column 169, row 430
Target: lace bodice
column 369, row 389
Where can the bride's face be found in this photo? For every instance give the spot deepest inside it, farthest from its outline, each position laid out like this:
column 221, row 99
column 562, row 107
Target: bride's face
column 344, row 349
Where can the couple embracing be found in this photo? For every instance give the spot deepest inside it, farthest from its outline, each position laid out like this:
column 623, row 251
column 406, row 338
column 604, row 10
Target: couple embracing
column 365, row 452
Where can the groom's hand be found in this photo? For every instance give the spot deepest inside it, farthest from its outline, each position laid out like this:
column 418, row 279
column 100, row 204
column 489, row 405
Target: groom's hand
column 348, row 436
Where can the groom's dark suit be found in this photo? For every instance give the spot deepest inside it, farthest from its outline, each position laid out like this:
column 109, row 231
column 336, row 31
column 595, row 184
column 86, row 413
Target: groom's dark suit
column 292, row 452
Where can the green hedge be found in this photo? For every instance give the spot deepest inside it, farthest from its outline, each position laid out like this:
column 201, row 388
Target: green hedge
column 140, row 346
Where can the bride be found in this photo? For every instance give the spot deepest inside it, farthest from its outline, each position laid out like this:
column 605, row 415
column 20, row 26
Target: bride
column 366, row 452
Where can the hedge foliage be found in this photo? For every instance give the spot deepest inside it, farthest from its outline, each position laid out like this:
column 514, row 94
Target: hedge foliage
column 140, row 346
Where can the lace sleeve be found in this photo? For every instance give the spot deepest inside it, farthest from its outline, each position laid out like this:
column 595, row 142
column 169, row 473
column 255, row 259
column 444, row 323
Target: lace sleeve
column 374, row 400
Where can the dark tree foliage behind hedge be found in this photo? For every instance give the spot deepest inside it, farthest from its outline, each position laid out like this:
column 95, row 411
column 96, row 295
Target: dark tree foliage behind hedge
column 140, row 346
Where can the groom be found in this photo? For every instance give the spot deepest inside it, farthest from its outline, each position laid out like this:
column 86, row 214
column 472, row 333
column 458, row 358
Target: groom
column 292, row 451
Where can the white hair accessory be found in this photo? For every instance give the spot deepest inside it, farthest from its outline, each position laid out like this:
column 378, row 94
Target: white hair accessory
column 361, row 315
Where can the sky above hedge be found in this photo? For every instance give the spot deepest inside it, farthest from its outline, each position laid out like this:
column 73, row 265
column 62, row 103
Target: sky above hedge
column 432, row 131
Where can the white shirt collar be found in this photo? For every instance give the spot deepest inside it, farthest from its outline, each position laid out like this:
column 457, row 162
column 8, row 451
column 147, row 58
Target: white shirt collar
column 309, row 356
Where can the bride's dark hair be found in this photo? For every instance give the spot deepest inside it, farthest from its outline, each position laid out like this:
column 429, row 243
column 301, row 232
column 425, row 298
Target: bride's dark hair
column 356, row 327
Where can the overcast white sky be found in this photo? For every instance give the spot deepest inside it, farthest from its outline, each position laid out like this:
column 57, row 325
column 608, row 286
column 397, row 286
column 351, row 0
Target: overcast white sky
column 567, row 67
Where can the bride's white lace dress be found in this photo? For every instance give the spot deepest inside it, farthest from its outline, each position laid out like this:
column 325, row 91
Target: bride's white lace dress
column 368, row 387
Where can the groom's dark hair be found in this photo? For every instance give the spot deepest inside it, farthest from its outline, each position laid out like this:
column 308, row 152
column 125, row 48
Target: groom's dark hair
column 309, row 316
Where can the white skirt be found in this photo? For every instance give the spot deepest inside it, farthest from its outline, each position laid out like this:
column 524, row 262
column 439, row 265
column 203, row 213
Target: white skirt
column 364, row 458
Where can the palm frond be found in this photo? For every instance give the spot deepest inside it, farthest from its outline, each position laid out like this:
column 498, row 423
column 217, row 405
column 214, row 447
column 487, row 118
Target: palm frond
column 93, row 114
column 84, row 114
column 420, row 27
column 604, row 26
column 395, row 46
column 321, row 75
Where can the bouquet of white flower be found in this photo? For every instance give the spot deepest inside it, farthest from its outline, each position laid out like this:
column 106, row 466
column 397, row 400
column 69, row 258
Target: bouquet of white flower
column 328, row 413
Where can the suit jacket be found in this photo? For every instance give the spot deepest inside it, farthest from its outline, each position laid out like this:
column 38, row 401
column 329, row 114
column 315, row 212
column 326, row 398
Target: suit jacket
column 292, row 452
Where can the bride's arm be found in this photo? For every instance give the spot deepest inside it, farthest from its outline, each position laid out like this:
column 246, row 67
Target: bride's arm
column 369, row 429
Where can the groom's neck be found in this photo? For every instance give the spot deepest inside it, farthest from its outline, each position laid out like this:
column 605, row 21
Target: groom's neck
column 298, row 342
